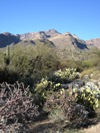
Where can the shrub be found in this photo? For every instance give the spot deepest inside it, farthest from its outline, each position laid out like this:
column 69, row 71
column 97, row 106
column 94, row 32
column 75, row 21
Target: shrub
column 34, row 62
column 64, row 105
column 16, row 104
column 8, row 75
column 87, row 64
column 45, row 88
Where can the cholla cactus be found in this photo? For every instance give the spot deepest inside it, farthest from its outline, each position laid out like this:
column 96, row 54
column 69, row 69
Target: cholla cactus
column 16, row 104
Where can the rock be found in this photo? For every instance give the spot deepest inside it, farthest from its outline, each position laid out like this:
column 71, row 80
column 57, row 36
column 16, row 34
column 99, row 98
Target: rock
column 81, row 111
column 91, row 75
column 78, row 84
column 75, row 84
column 67, row 86
column 92, row 85
column 86, row 77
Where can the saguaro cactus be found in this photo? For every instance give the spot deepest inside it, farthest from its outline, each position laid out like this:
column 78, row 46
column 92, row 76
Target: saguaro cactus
column 7, row 56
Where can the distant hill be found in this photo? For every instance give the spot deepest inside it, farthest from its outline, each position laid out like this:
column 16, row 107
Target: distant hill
column 94, row 42
column 51, row 37
column 6, row 39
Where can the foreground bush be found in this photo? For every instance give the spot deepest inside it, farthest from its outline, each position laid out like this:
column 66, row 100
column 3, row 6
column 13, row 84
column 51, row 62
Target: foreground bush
column 75, row 105
column 63, row 106
column 16, row 104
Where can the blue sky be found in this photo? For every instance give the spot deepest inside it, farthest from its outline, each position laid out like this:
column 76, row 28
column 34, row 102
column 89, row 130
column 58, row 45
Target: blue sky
column 80, row 17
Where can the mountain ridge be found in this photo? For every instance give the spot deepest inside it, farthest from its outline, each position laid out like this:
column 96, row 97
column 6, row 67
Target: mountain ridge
column 94, row 42
column 65, row 40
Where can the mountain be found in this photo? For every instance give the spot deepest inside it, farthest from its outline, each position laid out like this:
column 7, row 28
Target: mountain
column 51, row 37
column 68, row 40
column 7, row 38
column 94, row 42
column 61, row 41
column 39, row 35
column 36, row 42
column 52, row 33
column 33, row 36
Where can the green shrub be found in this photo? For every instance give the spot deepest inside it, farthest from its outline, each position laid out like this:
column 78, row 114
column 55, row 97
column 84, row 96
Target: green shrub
column 87, row 64
column 36, row 62
column 44, row 89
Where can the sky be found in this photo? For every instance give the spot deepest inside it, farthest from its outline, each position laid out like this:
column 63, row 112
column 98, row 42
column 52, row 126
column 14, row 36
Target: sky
column 79, row 17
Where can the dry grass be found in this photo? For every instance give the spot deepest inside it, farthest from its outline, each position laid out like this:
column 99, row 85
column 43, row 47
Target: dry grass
column 93, row 129
column 95, row 71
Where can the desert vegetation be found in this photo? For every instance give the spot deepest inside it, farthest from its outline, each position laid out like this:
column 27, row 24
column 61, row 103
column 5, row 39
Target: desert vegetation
column 40, row 83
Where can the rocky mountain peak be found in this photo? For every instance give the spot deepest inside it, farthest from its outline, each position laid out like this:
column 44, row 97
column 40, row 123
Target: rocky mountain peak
column 52, row 32
column 6, row 33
